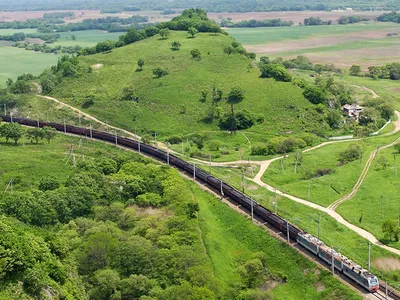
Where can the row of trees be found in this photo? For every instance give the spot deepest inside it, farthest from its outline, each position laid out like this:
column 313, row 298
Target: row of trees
column 389, row 71
column 256, row 23
column 314, row 21
column 14, row 131
column 389, row 17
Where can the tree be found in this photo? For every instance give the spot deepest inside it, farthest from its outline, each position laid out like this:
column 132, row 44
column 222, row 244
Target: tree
column 105, row 46
column 176, row 45
column 34, row 134
column 48, row 184
column 164, row 33
column 383, row 161
column 334, row 118
column 49, row 133
column 192, row 31
column 160, row 72
column 314, row 94
column 252, row 272
column 140, row 63
column 391, row 228
column 105, row 284
column 355, row 70
column 352, row 153
column 236, row 95
column 12, row 131
column 397, row 147
column 278, row 72
column 196, row 54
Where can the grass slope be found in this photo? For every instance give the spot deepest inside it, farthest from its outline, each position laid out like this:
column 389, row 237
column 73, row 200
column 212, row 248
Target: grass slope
column 162, row 100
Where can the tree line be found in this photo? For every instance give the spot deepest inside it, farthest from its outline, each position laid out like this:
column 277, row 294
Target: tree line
column 256, row 23
column 389, row 71
column 14, row 131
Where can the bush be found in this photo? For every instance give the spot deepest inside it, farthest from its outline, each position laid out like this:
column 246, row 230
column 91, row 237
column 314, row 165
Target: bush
column 214, row 145
column 160, row 72
column 314, row 94
column 259, row 149
column 174, row 139
column 276, row 71
column 352, row 153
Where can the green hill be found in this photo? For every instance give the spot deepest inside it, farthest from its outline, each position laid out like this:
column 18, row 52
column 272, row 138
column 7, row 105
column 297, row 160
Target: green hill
column 170, row 105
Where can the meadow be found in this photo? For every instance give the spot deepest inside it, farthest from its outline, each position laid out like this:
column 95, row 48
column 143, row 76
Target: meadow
column 377, row 199
column 343, row 45
column 325, row 189
column 17, row 61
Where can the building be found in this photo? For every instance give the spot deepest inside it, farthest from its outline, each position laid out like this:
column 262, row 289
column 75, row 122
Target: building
column 352, row 111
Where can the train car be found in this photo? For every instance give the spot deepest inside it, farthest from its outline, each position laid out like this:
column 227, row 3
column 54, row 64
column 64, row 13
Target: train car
column 309, row 242
column 361, row 276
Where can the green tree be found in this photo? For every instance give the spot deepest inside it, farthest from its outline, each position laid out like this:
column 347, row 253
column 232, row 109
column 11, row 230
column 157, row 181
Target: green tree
column 105, row 284
column 192, row 31
column 140, row 63
column 48, row 184
column 314, row 94
column 252, row 272
column 13, row 131
column 383, row 161
column 278, row 72
column 176, row 45
column 391, row 229
column 105, row 46
column 136, row 286
column 34, row 134
column 352, row 153
column 49, row 133
column 334, row 118
column 195, row 54
column 160, row 72
column 164, row 33
column 236, row 95
column 355, row 70
column 397, row 147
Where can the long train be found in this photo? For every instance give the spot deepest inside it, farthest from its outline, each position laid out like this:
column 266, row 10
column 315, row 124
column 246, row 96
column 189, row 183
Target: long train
column 315, row 246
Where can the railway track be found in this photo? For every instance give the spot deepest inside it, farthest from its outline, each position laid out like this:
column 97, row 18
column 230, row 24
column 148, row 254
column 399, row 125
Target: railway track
column 246, row 203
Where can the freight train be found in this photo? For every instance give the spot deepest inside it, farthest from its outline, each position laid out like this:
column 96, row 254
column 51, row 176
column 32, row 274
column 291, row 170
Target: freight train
column 341, row 263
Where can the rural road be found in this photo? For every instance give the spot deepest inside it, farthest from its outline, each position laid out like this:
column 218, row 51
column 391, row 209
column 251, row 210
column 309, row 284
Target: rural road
column 265, row 164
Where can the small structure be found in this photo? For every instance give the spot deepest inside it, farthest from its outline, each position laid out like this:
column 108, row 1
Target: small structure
column 352, row 111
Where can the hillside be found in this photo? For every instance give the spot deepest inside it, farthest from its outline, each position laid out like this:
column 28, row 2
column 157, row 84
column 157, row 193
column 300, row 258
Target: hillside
column 170, row 105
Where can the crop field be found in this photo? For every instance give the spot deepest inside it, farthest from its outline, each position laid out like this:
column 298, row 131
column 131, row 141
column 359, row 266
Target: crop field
column 343, row 45
column 378, row 198
column 325, row 189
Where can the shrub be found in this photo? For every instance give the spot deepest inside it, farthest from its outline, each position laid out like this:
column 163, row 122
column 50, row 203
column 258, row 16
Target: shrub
column 259, row 149
column 174, row 139
column 214, row 145
column 352, row 153
column 276, row 71
column 160, row 72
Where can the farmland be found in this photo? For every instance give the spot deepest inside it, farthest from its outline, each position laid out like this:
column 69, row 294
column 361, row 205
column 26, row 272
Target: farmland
column 342, row 45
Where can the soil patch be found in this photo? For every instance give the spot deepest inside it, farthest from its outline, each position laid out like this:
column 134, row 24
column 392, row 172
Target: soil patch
column 397, row 90
column 150, row 211
column 97, row 66
column 294, row 16
column 319, row 287
column 387, row 264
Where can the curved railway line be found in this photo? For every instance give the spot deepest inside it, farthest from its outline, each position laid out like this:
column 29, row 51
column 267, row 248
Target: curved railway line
column 247, row 204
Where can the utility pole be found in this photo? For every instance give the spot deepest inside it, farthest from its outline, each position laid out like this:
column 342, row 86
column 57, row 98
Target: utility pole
column 242, row 181
column 139, row 145
column 333, row 262
column 65, row 127
column 369, row 256
column 11, row 115
column 287, row 232
column 5, row 109
column 155, row 138
column 275, row 204
column 116, row 137
column 167, row 157
column 315, row 161
column 91, row 132
column 222, row 190
column 319, row 225
column 37, row 122
column 194, row 170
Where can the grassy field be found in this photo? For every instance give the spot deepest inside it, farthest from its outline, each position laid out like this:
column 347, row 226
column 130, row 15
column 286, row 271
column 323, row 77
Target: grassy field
column 170, row 105
column 15, row 62
column 334, row 234
column 377, row 200
column 364, row 44
column 328, row 188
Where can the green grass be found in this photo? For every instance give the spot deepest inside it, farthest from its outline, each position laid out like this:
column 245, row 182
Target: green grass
column 264, row 35
column 161, row 100
column 230, row 238
column 86, row 38
column 377, row 199
column 26, row 163
column 12, row 31
column 15, row 62
column 333, row 233
column 325, row 189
